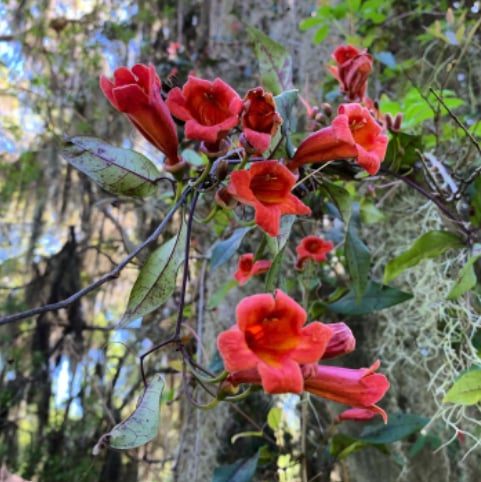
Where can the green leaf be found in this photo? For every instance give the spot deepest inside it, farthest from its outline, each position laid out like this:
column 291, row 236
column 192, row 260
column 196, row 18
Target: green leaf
column 220, row 293
column 341, row 446
column 466, row 389
column 321, row 34
column 275, row 62
column 370, row 214
column 284, row 104
column 119, row 171
column 376, row 297
column 402, row 150
column 157, row 278
column 399, row 426
column 339, row 196
column 241, row 471
column 274, row 418
column 310, row 22
column 466, row 280
column 358, row 257
column 429, row 245
column 141, row 426
column 222, row 251
column 272, row 276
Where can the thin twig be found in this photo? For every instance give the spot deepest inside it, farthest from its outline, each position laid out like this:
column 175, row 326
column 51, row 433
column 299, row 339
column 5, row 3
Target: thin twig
column 107, row 277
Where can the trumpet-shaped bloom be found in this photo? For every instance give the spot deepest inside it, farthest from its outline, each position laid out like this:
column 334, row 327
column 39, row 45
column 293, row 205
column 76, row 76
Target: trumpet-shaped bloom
column 352, row 70
column 270, row 338
column 209, row 109
column 136, row 93
column 312, row 248
column 360, row 388
column 247, row 267
column 266, row 186
column 259, row 120
column 353, row 134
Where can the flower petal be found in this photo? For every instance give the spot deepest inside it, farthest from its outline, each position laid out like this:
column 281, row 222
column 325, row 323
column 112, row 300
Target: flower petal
column 284, row 379
column 234, row 351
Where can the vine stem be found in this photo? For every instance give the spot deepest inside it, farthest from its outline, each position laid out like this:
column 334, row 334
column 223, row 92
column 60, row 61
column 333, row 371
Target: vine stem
column 433, row 199
column 4, row 320
column 185, row 274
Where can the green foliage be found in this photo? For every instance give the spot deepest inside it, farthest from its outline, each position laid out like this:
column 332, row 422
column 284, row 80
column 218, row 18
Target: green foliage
column 429, row 245
column 241, row 471
column 222, row 251
column 358, row 258
column 275, row 63
column 399, row 426
column 466, row 389
column 142, row 425
column 157, row 278
column 466, row 280
column 119, row 171
column 376, row 297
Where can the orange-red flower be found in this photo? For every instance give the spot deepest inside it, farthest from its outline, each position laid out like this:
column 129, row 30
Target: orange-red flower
column 266, row 186
column 353, row 134
column 247, row 267
column 136, row 93
column 360, row 388
column 352, row 70
column 312, row 248
column 260, row 119
column 270, row 338
column 210, row 109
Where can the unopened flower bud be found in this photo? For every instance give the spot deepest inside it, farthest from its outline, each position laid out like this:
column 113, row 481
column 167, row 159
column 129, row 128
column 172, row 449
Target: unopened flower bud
column 341, row 343
column 321, row 118
column 397, row 122
column 326, row 108
column 221, row 169
column 227, row 389
column 224, row 199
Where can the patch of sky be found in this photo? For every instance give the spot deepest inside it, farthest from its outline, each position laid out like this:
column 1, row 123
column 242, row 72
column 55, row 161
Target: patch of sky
column 13, row 242
column 65, row 387
column 291, row 417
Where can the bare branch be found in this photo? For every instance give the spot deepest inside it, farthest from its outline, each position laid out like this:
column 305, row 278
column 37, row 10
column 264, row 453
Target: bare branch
column 106, row 277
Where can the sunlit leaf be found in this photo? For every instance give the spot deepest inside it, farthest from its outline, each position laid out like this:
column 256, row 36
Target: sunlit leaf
column 466, row 280
column 399, row 426
column 376, row 297
column 141, row 426
column 241, row 471
column 274, row 418
column 429, row 245
column 275, row 62
column 119, row 171
column 157, row 278
column 310, row 22
column 466, row 389
column 222, row 251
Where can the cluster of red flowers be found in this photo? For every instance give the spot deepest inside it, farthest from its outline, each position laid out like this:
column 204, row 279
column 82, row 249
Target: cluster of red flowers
column 269, row 345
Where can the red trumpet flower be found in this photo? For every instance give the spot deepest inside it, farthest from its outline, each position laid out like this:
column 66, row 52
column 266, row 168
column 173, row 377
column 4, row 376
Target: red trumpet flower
column 136, row 93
